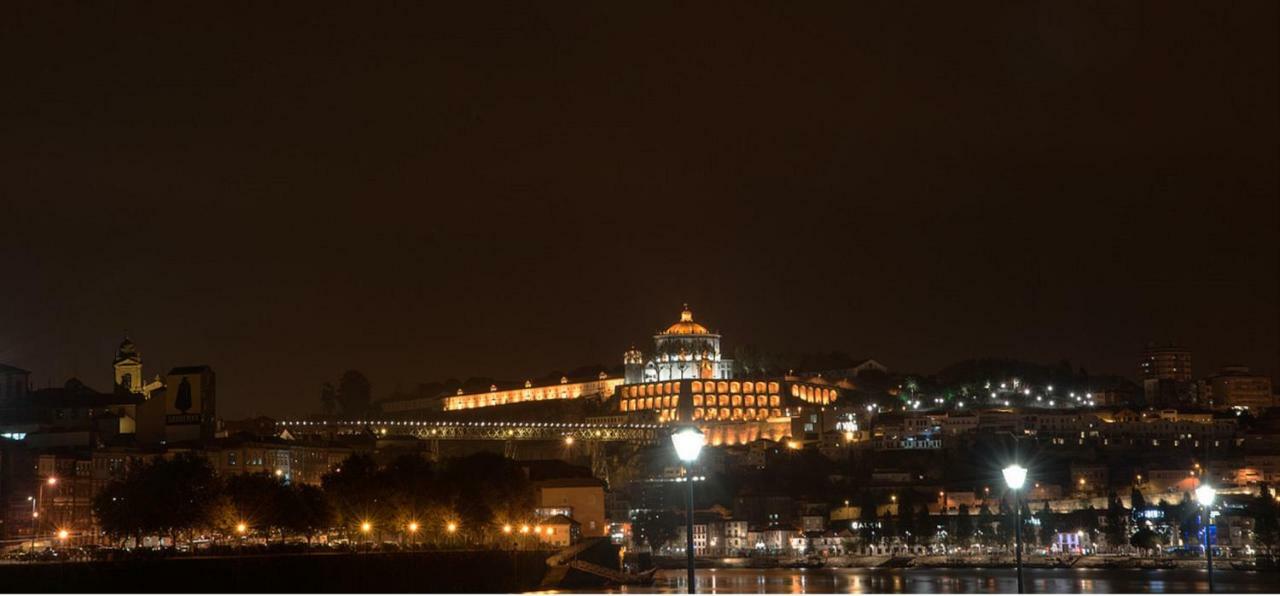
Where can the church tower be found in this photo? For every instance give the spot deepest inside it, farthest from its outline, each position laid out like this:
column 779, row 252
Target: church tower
column 128, row 367
column 633, row 362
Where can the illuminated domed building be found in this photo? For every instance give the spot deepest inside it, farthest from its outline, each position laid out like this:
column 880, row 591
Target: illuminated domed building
column 686, row 380
column 686, row 350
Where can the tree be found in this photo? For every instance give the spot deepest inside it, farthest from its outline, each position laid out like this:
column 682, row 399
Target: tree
column 1145, row 539
column 304, row 509
column 1005, row 530
column 328, row 399
column 355, row 493
column 165, row 496
column 255, row 501
column 657, row 528
column 1266, row 528
column 986, row 523
column 923, row 526
column 1048, row 524
column 354, row 393
column 1136, row 501
column 964, row 526
column 867, row 515
column 1117, row 530
column 485, row 488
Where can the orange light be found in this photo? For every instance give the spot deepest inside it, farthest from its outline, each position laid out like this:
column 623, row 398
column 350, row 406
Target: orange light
column 366, row 527
column 413, row 526
column 242, row 528
column 63, row 534
column 506, row 529
column 524, row 529
column 52, row 480
column 452, row 527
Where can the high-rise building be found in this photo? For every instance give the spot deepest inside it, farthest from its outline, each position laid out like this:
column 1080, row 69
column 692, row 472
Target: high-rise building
column 1237, row 387
column 1166, row 375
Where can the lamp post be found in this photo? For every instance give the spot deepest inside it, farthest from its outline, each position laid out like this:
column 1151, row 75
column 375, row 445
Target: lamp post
column 1206, row 494
column 688, row 443
column 1015, row 476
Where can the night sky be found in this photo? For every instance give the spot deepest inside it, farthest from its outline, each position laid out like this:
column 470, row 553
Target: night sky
column 430, row 190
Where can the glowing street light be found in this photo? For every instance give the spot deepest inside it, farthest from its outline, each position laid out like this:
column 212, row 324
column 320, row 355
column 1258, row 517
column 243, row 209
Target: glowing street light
column 568, row 441
column 242, row 528
column 688, row 442
column 451, row 527
column 413, row 527
column 1206, row 495
column 366, row 527
column 1015, row 476
column 506, row 528
column 63, row 534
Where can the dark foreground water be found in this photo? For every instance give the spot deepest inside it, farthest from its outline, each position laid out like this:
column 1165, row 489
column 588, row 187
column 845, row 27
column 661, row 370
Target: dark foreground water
column 960, row 581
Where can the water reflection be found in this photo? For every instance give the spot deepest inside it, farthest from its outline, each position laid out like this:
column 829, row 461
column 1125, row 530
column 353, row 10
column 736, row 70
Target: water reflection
column 957, row 581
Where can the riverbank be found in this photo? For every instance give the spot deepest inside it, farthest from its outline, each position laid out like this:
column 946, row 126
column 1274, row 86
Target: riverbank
column 436, row 571
column 958, row 562
column 958, row 581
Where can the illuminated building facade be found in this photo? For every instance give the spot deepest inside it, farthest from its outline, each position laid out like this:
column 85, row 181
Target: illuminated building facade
column 686, row 350
column 1166, row 376
column 1236, row 387
column 732, row 412
column 603, row 388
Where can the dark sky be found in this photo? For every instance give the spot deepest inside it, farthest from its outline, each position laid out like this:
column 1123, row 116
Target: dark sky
column 425, row 190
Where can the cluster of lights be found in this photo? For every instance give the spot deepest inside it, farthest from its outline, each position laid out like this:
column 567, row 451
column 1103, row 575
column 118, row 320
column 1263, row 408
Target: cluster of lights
column 320, row 423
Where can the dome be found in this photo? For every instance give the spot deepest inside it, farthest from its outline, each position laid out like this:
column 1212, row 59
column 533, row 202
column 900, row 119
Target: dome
column 686, row 326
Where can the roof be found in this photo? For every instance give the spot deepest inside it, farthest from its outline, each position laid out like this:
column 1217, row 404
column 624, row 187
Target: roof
column 686, row 326
column 570, row 483
column 76, row 394
column 6, row 369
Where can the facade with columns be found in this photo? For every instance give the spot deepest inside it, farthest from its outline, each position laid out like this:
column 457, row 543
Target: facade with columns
column 685, row 350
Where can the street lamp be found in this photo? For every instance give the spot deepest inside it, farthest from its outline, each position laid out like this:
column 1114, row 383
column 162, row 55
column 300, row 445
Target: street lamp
column 1206, row 494
column 1015, row 476
column 688, row 443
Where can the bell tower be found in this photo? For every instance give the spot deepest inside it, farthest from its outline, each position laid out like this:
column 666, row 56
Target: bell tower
column 128, row 367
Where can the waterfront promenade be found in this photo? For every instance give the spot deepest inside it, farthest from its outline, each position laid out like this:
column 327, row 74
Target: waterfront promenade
column 959, row 581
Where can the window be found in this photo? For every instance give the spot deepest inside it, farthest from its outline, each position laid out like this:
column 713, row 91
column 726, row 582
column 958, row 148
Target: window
column 231, row 458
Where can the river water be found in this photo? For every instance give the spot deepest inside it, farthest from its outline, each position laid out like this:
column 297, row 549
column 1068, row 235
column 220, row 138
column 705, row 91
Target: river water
column 957, row 581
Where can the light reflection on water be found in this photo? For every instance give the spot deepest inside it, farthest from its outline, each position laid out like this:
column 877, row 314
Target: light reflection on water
column 957, row 581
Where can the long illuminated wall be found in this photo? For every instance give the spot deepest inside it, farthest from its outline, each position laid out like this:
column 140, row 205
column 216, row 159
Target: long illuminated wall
column 721, row 400
column 603, row 388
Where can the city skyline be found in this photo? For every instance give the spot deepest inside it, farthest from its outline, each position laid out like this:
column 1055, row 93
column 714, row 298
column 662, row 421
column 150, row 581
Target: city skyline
column 505, row 190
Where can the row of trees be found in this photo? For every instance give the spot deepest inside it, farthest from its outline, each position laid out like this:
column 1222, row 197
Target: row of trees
column 408, row 499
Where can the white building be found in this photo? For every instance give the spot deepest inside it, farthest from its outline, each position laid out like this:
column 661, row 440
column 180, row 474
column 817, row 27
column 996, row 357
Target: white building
column 686, row 350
